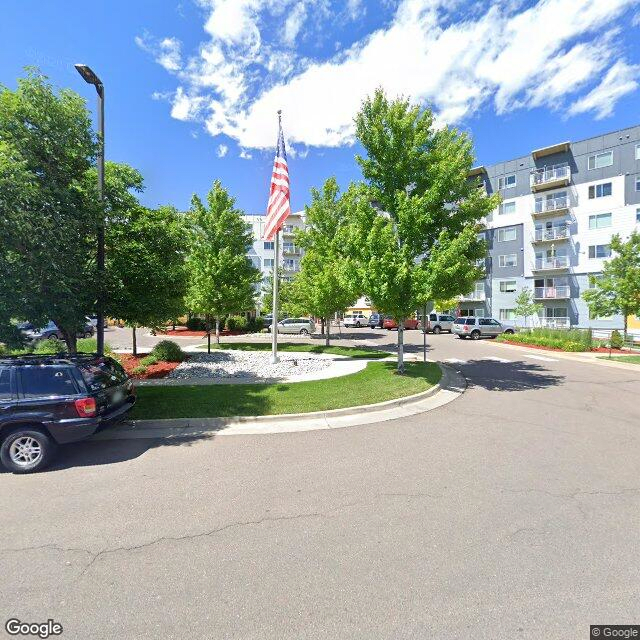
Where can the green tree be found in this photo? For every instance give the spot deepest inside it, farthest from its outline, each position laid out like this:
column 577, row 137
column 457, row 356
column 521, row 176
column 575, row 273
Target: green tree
column 48, row 216
column 420, row 241
column 526, row 305
column 617, row 290
column 287, row 304
column 446, row 305
column 325, row 285
column 222, row 279
column 146, row 268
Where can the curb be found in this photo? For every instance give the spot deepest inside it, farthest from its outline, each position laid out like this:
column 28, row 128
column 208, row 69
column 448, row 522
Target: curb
column 451, row 385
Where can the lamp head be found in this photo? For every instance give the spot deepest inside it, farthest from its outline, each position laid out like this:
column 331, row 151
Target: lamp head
column 88, row 74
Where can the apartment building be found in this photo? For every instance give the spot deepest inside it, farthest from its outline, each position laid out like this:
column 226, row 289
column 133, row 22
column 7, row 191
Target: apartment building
column 262, row 252
column 560, row 206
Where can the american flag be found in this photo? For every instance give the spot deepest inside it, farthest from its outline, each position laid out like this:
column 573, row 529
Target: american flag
column 278, row 208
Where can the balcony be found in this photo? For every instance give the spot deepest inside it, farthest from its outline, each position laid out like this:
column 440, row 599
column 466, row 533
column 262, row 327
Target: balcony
column 474, row 296
column 550, row 177
column 288, row 229
column 556, row 263
column 550, row 207
column 291, row 251
column 555, row 323
column 550, row 235
column 559, row 292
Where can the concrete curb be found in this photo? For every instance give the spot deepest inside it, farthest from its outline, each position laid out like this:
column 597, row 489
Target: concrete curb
column 451, row 385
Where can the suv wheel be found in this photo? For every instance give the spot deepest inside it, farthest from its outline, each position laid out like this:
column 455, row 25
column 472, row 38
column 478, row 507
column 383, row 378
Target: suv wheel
column 509, row 331
column 437, row 330
column 358, row 324
column 304, row 332
column 27, row 449
column 475, row 334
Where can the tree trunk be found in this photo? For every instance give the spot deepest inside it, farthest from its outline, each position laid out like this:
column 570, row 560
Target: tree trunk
column 327, row 325
column 217, row 329
column 71, row 339
column 134, row 341
column 401, row 347
column 626, row 317
column 322, row 326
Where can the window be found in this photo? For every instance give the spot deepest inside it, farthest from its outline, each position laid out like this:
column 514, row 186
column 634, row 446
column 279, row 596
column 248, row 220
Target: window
column 268, row 262
column 268, row 246
column 638, row 152
column 510, row 260
column 5, row 383
column 506, row 182
column 638, row 184
column 507, row 314
column 507, row 207
column 38, row 382
column 600, row 251
column 637, row 216
column 600, row 160
column 600, row 221
column 508, row 286
column 103, row 375
column 600, row 190
column 506, row 234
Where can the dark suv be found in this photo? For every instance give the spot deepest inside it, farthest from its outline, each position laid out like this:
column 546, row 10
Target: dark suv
column 51, row 400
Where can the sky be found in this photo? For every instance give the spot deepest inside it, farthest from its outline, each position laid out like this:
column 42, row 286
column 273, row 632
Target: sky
column 193, row 86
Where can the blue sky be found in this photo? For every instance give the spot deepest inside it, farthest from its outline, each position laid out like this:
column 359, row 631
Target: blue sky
column 192, row 86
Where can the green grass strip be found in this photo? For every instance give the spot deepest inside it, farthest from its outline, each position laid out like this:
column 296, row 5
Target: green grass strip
column 630, row 359
column 336, row 350
column 378, row 382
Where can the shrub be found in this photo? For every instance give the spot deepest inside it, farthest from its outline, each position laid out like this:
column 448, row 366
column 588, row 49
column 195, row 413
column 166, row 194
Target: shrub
column 616, row 340
column 564, row 339
column 231, row 323
column 167, row 351
column 51, row 345
column 255, row 324
column 195, row 324
column 149, row 360
column 4, row 350
column 139, row 369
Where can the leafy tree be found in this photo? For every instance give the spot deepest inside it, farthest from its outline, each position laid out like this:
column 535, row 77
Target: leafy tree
column 221, row 277
column 526, row 305
column 425, row 244
column 325, row 284
column 287, row 304
column 617, row 290
column 146, row 267
column 445, row 305
column 48, row 216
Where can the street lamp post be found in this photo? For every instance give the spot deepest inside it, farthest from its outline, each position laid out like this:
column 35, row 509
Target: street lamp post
column 91, row 78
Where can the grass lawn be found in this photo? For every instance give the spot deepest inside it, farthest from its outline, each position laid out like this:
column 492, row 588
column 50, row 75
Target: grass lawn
column 631, row 359
column 352, row 352
column 376, row 383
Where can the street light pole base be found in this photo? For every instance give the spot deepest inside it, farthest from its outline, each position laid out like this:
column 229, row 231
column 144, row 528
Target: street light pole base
column 275, row 359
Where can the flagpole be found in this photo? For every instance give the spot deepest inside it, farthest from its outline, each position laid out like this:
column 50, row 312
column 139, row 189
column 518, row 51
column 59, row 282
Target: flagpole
column 276, row 258
column 274, row 315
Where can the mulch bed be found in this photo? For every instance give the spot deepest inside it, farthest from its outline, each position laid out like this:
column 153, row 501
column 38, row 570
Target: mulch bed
column 160, row 370
column 618, row 352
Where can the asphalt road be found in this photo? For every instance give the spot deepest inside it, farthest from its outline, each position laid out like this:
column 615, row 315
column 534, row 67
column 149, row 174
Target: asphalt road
column 512, row 512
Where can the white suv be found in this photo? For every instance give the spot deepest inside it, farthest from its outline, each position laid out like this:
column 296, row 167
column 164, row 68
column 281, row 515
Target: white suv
column 355, row 320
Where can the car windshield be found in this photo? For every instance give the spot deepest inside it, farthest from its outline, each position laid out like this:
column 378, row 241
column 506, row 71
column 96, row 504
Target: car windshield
column 459, row 320
column 100, row 374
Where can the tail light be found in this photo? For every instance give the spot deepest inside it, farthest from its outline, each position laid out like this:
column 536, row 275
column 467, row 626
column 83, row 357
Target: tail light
column 86, row 407
column 466, row 327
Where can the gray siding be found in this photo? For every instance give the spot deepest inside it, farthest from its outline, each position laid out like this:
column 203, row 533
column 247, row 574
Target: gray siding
column 496, row 249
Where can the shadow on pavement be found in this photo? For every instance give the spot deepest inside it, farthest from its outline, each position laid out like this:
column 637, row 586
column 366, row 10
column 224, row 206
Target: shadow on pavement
column 508, row 376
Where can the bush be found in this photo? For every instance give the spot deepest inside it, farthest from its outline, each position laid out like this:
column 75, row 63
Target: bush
column 4, row 350
column 616, row 340
column 149, row 360
column 255, row 324
column 167, row 351
column 195, row 324
column 51, row 345
column 139, row 369
column 564, row 339
column 236, row 323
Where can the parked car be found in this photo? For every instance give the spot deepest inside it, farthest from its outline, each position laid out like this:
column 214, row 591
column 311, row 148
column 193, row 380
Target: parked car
column 437, row 323
column 50, row 400
column 355, row 320
column 304, row 326
column 390, row 323
column 50, row 330
column 475, row 328
column 93, row 321
column 376, row 320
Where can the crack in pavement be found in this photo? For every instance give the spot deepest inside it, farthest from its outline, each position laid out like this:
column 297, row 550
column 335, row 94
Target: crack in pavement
column 94, row 556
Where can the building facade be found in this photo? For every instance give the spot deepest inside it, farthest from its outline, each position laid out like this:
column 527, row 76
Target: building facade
column 560, row 206
column 262, row 252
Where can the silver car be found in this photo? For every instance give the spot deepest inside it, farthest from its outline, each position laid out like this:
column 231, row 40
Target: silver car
column 475, row 328
column 303, row 326
column 439, row 322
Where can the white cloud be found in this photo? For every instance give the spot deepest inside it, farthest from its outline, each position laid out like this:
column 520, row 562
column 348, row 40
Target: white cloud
column 620, row 80
column 222, row 150
column 245, row 155
column 507, row 54
column 166, row 51
column 355, row 9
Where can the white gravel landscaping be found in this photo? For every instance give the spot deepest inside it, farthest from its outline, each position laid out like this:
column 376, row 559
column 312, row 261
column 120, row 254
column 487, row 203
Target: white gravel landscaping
column 236, row 366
